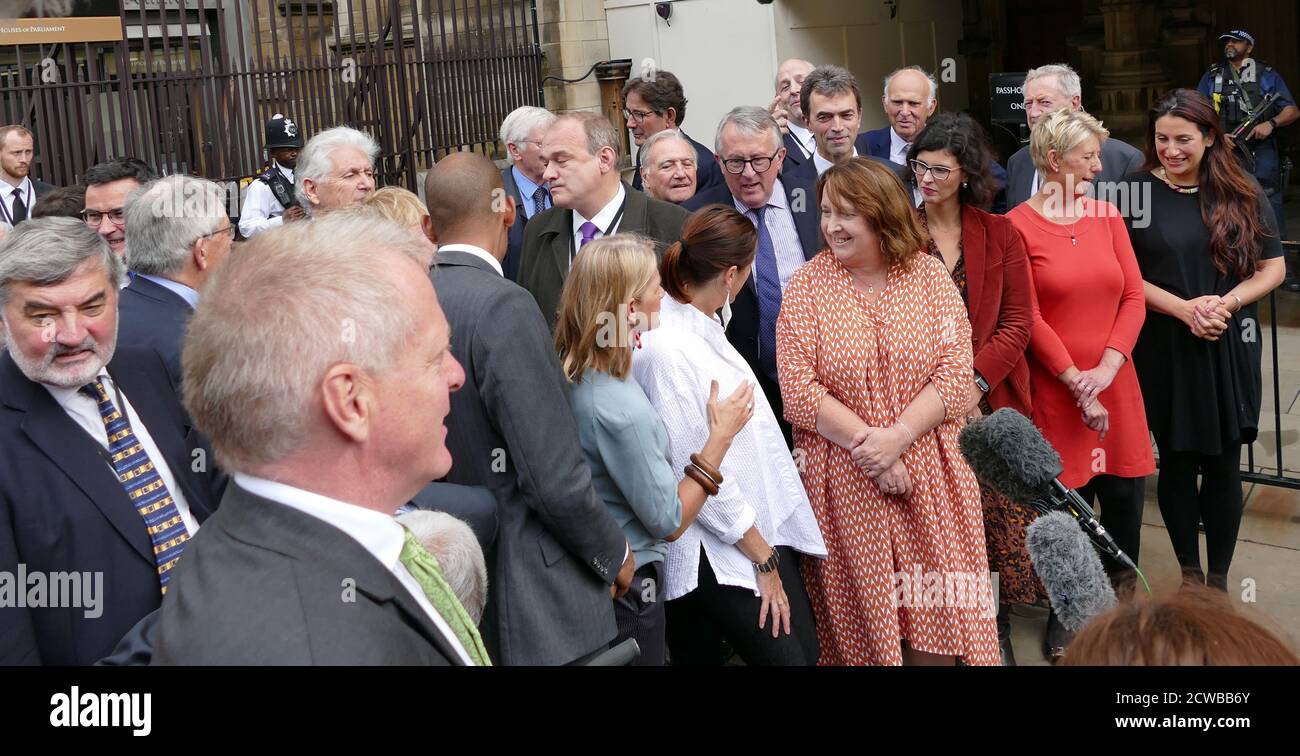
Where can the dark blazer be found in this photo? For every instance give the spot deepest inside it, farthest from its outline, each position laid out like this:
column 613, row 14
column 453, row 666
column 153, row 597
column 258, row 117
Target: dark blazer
column 511, row 430
column 151, row 315
column 510, row 265
column 998, row 291
column 62, row 509
column 807, row 170
column 742, row 329
column 874, row 143
column 1118, row 159
column 549, row 237
column 793, row 154
column 40, row 189
column 707, row 171
column 264, row 584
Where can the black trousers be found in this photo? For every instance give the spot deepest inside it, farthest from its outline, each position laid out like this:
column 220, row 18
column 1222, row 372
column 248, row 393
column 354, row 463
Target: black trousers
column 705, row 621
column 1120, row 501
column 1217, row 503
column 640, row 614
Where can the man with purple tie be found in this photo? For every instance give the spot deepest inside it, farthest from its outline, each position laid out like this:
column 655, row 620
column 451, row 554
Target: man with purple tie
column 591, row 201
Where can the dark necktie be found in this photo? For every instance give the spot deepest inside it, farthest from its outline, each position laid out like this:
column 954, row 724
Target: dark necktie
column 20, row 208
column 539, row 200
column 768, row 282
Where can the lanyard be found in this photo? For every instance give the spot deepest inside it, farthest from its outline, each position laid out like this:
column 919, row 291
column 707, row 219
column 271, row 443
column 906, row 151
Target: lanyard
column 1241, row 90
column 613, row 224
column 4, row 206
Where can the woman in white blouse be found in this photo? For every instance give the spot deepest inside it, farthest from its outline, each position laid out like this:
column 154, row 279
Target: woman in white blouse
column 733, row 575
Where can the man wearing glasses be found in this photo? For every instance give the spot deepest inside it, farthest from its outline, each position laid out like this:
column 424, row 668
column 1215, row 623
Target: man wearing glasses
column 107, row 187
column 750, row 149
column 657, row 103
column 179, row 233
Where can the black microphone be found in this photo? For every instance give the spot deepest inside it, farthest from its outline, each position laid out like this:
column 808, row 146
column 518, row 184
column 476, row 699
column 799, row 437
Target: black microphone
column 1070, row 569
column 1009, row 454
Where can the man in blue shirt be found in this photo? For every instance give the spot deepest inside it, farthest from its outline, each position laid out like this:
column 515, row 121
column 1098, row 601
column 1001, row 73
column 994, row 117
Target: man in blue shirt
column 1237, row 91
column 521, row 134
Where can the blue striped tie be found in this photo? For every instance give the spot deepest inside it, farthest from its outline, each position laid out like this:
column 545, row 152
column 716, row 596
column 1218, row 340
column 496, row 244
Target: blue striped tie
column 144, row 487
column 768, row 282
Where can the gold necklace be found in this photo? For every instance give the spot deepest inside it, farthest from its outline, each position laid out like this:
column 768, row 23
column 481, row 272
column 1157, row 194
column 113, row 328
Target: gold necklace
column 1164, row 176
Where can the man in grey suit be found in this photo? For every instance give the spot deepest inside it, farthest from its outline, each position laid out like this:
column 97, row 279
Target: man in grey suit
column 1049, row 88
column 521, row 134
column 591, row 201
column 558, row 550
column 330, row 414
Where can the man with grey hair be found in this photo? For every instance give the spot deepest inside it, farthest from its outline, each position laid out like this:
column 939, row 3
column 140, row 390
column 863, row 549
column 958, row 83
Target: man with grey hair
column 453, row 543
column 323, row 381
column 668, row 171
column 178, row 232
column 1048, row 88
column 591, row 201
column 788, row 112
column 784, row 209
column 909, row 99
column 102, row 479
column 521, row 134
column 336, row 168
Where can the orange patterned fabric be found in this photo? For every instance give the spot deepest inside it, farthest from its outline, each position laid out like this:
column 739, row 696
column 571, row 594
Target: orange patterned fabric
column 895, row 565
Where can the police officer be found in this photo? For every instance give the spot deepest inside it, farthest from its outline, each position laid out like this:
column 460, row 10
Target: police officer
column 270, row 200
column 1237, row 88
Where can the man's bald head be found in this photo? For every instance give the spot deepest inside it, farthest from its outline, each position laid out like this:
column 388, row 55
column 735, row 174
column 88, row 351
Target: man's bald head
column 465, row 196
column 789, row 84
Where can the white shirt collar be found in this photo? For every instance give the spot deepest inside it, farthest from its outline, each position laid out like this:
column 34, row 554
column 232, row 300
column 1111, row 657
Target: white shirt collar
column 775, row 199
column 689, row 318
column 603, row 218
column 897, row 148
column 190, row 296
column 24, row 187
column 66, row 394
column 804, row 137
column 476, row 251
column 823, row 164
column 378, row 533
column 288, row 172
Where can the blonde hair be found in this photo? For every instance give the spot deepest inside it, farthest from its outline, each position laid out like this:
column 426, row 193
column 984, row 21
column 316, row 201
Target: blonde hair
column 606, row 275
column 398, row 205
column 1062, row 130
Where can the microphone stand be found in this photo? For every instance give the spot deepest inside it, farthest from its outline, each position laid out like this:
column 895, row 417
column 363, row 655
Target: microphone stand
column 1060, row 498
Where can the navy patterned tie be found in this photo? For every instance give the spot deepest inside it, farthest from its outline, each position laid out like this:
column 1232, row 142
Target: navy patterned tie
column 144, row 487
column 768, row 282
column 539, row 200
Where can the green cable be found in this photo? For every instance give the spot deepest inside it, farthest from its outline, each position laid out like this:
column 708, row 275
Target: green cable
column 1145, row 584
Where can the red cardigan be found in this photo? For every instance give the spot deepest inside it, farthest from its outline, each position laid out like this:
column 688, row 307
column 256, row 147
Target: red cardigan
column 999, row 292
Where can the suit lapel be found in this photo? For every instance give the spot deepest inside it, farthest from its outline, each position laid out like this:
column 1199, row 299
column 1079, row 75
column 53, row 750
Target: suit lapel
column 974, row 241
column 636, row 212
column 805, row 221
column 76, row 454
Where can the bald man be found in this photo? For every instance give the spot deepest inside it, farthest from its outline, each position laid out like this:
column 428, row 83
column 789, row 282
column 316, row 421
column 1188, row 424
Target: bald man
column 909, row 99
column 787, row 110
column 511, row 431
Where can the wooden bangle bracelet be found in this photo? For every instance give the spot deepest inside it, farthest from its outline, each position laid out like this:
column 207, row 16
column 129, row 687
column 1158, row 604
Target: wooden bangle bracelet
column 697, row 475
column 707, row 468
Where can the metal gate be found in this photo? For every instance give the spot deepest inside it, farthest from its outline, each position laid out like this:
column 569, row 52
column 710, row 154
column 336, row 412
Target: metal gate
column 192, row 83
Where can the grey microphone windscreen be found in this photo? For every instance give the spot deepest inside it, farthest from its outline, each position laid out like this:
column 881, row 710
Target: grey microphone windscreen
column 1070, row 569
column 1010, row 455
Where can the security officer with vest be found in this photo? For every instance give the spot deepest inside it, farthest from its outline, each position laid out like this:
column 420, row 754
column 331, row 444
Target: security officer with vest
column 270, row 200
column 1238, row 89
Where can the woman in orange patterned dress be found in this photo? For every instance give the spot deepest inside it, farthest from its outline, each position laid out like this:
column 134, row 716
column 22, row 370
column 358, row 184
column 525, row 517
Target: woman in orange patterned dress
column 875, row 366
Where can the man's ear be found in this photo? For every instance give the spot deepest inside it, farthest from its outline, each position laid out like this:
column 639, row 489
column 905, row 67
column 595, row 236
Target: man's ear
column 347, row 398
column 670, row 117
column 934, row 105
column 426, row 225
column 510, row 213
column 199, row 253
column 309, row 189
column 608, row 159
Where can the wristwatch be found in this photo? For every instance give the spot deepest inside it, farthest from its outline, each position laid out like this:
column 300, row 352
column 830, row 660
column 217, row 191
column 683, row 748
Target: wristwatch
column 983, row 384
column 770, row 564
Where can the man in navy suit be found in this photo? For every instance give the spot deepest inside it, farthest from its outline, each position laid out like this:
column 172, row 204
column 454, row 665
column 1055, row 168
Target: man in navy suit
column 177, row 234
column 102, row 479
column 19, row 192
column 786, row 213
column 521, row 133
column 832, row 106
column 909, row 99
column 653, row 104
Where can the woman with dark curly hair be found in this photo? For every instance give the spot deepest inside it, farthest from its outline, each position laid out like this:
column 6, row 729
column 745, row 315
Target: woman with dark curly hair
column 951, row 166
column 1209, row 252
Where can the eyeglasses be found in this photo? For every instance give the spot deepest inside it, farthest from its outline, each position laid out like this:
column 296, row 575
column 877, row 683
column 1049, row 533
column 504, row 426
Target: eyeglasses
column 229, row 229
column 636, row 116
column 760, row 164
column 940, row 172
column 93, row 217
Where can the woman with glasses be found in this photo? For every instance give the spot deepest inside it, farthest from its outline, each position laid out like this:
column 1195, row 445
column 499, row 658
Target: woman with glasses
column 656, row 103
column 874, row 348
column 1209, row 252
column 950, row 161
column 732, row 578
column 1089, row 311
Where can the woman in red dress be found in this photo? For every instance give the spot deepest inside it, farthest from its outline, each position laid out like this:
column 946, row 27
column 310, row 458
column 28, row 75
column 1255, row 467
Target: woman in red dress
column 1089, row 310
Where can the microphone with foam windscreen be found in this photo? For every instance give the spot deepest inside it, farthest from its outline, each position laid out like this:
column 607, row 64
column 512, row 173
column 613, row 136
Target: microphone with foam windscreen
column 1070, row 569
column 1009, row 454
